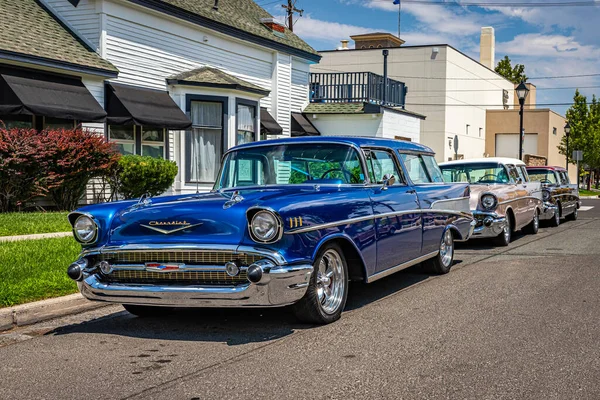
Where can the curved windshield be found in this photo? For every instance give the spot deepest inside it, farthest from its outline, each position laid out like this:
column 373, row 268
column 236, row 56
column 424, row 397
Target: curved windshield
column 542, row 175
column 291, row 164
column 475, row 173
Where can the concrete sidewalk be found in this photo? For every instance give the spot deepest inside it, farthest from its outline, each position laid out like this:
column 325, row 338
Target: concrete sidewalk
column 34, row 237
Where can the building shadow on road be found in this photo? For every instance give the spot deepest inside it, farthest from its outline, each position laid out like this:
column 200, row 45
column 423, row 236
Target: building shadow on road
column 235, row 326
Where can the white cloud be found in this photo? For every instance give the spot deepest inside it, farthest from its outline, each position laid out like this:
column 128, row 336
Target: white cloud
column 548, row 46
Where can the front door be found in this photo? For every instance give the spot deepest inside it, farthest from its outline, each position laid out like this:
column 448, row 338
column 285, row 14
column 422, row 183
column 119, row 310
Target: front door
column 396, row 209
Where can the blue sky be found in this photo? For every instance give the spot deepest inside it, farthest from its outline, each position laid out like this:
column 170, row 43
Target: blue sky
column 550, row 41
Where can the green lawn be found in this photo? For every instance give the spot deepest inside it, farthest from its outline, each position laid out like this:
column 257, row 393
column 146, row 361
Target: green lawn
column 36, row 269
column 583, row 192
column 34, row 222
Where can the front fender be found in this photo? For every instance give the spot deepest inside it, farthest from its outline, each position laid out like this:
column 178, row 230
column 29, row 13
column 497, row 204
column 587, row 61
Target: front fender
column 362, row 269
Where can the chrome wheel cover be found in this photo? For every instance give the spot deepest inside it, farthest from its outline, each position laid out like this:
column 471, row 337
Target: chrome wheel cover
column 331, row 281
column 447, row 248
column 536, row 221
column 507, row 232
column 557, row 217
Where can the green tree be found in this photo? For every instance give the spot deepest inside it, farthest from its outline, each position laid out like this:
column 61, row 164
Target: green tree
column 514, row 74
column 584, row 120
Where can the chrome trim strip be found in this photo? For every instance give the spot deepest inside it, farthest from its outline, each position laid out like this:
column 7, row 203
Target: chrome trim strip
column 376, row 216
column 520, row 198
column 400, row 267
column 185, row 268
column 449, row 200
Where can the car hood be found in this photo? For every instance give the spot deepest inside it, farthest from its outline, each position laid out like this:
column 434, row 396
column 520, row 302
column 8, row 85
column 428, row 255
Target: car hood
column 216, row 217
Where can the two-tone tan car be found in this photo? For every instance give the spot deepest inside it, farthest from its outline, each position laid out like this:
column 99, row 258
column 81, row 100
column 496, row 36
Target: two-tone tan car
column 503, row 200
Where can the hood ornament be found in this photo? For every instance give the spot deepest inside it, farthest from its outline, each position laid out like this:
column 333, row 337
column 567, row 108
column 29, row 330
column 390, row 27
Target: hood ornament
column 179, row 226
column 235, row 198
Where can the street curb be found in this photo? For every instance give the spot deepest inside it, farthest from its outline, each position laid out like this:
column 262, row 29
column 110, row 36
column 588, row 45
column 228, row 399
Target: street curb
column 35, row 236
column 589, row 197
column 31, row 313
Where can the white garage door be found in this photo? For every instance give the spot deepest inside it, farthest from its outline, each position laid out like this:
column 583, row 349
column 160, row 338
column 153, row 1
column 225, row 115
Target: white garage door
column 507, row 144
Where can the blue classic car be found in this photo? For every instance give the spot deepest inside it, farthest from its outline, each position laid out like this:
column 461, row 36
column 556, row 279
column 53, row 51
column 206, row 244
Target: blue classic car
column 289, row 221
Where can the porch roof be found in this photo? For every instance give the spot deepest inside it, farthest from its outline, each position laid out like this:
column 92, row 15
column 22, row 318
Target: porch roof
column 213, row 77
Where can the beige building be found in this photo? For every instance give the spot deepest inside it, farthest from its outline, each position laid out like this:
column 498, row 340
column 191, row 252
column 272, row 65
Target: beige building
column 544, row 130
column 452, row 90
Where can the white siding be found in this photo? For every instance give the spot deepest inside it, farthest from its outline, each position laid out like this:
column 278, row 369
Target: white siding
column 146, row 56
column 300, row 80
column 83, row 19
column 284, row 95
column 348, row 125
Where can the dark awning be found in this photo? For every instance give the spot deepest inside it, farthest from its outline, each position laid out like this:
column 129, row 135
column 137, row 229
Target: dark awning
column 130, row 105
column 268, row 125
column 35, row 93
column 302, row 126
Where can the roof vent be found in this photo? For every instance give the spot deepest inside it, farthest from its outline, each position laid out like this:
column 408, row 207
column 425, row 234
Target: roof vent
column 273, row 25
column 75, row 3
column 216, row 6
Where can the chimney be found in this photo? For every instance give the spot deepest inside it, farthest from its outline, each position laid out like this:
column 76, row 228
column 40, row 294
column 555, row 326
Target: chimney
column 344, row 45
column 487, row 47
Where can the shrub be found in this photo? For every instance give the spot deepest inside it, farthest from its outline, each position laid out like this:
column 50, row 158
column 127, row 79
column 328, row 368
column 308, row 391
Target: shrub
column 137, row 175
column 23, row 164
column 75, row 157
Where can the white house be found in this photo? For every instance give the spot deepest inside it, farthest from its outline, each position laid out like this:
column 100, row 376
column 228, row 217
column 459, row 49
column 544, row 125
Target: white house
column 450, row 89
column 187, row 79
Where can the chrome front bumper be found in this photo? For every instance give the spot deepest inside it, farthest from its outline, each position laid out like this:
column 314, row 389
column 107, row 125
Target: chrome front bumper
column 548, row 211
column 280, row 286
column 488, row 225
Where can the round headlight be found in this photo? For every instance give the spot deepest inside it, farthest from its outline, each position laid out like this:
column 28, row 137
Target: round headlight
column 84, row 229
column 488, row 201
column 265, row 226
column 545, row 195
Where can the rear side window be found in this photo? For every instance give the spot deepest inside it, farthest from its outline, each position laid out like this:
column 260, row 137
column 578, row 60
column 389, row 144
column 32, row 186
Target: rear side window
column 432, row 167
column 416, row 168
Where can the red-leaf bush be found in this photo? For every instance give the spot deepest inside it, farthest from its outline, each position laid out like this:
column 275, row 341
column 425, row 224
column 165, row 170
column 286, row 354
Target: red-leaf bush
column 23, row 166
column 76, row 157
column 58, row 163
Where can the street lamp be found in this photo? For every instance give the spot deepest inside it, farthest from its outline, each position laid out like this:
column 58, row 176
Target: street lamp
column 522, row 92
column 567, row 131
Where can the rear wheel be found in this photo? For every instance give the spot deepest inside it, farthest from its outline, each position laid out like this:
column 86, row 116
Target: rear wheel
column 327, row 292
column 147, row 311
column 442, row 263
column 534, row 225
column 573, row 216
column 503, row 239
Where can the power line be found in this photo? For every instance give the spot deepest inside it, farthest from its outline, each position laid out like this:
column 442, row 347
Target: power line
column 483, row 105
column 501, row 4
column 269, row 3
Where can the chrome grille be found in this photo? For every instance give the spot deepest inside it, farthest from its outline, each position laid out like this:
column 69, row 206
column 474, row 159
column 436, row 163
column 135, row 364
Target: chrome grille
column 181, row 277
column 183, row 256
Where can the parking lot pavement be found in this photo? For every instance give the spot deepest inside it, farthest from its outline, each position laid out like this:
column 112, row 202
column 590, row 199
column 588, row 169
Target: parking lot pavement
column 517, row 322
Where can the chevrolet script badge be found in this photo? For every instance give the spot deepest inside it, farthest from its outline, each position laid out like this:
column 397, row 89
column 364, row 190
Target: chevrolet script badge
column 163, row 226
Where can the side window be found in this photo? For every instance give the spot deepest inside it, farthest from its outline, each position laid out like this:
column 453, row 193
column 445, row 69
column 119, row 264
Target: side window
column 524, row 174
column 381, row 163
column 416, row 168
column 434, row 170
column 564, row 178
column 513, row 173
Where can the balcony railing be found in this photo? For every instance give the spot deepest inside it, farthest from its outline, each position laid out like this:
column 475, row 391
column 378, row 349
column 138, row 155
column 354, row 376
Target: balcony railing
column 353, row 87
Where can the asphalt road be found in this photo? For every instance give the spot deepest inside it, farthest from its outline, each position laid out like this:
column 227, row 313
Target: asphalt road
column 518, row 323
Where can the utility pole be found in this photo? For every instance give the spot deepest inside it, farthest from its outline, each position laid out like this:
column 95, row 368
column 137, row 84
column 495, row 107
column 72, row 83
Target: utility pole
column 291, row 9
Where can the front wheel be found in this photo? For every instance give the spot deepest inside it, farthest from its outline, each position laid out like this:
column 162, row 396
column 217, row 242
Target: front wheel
column 503, row 239
column 442, row 263
column 573, row 216
column 327, row 292
column 555, row 221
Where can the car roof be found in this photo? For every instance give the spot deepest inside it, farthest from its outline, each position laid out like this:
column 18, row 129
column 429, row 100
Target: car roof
column 359, row 141
column 548, row 167
column 499, row 160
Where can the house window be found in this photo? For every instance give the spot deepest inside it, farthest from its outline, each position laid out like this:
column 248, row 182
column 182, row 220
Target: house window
column 124, row 137
column 204, row 142
column 554, row 131
column 467, row 130
column 58, row 123
column 16, row 121
column 127, row 137
column 246, row 124
column 480, row 131
column 153, row 142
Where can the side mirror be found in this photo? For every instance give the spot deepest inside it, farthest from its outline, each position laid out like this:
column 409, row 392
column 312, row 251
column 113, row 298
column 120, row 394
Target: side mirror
column 388, row 180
